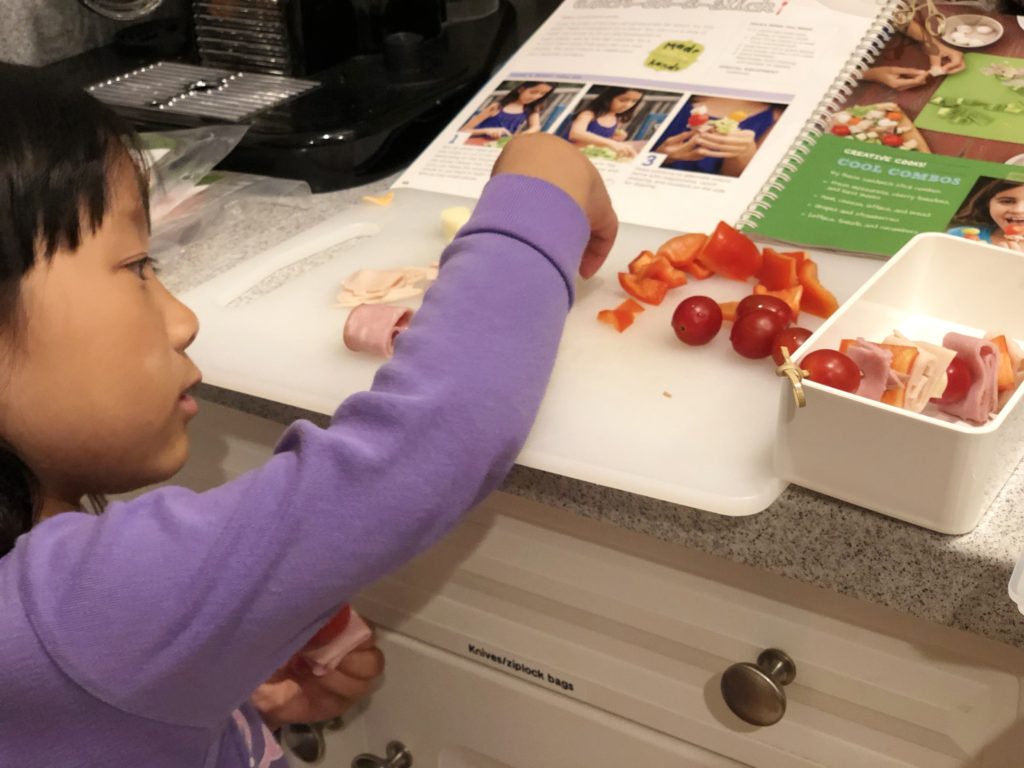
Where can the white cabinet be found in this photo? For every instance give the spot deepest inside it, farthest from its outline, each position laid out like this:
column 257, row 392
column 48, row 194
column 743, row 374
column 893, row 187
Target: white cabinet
column 533, row 637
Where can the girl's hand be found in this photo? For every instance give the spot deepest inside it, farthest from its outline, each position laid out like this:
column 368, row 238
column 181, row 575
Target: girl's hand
column 949, row 60
column 493, row 133
column 622, row 149
column 897, row 78
column 727, row 145
column 682, row 146
column 295, row 695
column 558, row 162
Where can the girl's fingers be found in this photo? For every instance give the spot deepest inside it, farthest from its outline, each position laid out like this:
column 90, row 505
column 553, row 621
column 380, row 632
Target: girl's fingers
column 365, row 664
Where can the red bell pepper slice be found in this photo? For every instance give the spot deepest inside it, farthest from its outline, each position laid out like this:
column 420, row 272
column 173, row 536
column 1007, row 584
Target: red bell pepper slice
column 1004, row 373
column 630, row 306
column 643, row 288
column 729, row 310
column 817, row 299
column 697, row 270
column 618, row 319
column 639, row 265
column 731, row 254
column 662, row 269
column 682, row 249
column 778, row 271
column 792, row 296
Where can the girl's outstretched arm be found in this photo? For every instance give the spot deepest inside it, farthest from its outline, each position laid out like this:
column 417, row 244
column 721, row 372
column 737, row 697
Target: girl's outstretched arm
column 176, row 605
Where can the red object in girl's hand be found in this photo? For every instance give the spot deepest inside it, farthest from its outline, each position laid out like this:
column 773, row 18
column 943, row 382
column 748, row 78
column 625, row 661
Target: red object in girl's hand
column 331, row 629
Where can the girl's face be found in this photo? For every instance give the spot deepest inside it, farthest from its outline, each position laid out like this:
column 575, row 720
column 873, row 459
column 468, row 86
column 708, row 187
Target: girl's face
column 625, row 101
column 533, row 93
column 1007, row 208
column 93, row 392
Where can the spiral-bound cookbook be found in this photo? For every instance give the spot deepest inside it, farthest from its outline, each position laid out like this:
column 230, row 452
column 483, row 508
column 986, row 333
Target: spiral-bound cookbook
column 696, row 111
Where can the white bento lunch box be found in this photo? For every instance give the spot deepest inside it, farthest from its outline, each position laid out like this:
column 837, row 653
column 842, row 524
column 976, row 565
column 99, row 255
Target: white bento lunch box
column 936, row 474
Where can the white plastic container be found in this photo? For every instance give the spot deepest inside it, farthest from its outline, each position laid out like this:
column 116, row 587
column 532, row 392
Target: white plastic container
column 937, row 474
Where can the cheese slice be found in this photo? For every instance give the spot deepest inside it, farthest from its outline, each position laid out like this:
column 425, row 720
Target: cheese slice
column 927, row 375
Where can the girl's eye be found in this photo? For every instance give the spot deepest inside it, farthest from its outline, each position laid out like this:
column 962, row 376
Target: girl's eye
column 144, row 268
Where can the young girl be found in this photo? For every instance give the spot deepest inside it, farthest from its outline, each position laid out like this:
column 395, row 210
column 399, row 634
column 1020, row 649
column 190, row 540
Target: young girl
column 144, row 636
column 600, row 123
column 993, row 214
column 518, row 111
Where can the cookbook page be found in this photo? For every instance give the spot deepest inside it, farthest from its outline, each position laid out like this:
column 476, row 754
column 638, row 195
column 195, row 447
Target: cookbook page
column 684, row 106
column 927, row 142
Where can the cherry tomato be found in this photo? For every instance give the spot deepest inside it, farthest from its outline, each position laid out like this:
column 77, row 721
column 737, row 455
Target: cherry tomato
column 841, row 130
column 764, row 301
column 752, row 334
column 833, row 369
column 697, row 320
column 959, row 382
column 791, row 339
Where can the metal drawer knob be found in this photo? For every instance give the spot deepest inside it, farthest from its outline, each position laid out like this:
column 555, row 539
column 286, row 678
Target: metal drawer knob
column 754, row 692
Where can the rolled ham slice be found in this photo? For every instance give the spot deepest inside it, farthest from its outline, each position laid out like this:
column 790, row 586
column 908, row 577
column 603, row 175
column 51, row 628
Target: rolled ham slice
column 875, row 363
column 373, row 328
column 982, row 359
column 327, row 657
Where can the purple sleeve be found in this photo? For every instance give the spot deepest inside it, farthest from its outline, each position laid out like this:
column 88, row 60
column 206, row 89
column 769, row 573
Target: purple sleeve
column 176, row 605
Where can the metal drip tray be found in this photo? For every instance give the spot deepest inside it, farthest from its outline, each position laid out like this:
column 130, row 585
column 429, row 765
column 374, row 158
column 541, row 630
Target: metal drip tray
column 187, row 89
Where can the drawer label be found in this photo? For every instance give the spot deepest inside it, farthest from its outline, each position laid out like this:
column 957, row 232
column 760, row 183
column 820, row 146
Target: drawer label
column 532, row 671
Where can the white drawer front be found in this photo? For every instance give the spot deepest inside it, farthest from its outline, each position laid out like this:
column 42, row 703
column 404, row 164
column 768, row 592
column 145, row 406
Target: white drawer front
column 649, row 641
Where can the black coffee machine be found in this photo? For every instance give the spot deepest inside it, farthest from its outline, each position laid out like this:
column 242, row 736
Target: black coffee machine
column 337, row 92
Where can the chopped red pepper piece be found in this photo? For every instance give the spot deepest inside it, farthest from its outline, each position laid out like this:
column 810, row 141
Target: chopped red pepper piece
column 1004, row 373
column 792, row 296
column 662, row 269
column 729, row 310
column 817, row 299
column 903, row 358
column 682, row 249
column 630, row 306
column 618, row 319
column 731, row 254
column 697, row 270
column 778, row 271
column 841, row 130
column 641, row 263
column 642, row 288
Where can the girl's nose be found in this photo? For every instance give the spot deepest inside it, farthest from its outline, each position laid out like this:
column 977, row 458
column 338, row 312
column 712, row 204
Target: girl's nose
column 182, row 323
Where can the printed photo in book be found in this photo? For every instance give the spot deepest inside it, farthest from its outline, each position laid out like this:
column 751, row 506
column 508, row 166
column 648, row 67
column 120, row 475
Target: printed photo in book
column 684, row 106
column 930, row 140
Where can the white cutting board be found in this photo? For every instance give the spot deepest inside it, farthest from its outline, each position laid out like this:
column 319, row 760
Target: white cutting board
column 637, row 411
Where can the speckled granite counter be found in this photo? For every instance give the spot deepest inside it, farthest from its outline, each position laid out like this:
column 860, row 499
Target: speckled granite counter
column 954, row 581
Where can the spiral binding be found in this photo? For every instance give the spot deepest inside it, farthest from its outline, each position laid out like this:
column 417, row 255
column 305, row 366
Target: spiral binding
column 835, row 98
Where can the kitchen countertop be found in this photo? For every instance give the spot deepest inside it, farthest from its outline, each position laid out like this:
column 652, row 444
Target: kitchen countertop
column 956, row 581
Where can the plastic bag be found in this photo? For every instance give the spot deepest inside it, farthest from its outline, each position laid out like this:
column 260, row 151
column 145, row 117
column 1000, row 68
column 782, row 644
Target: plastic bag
column 187, row 196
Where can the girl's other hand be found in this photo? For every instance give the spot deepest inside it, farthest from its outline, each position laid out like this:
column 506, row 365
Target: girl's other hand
column 295, row 695
column 682, row 146
column 949, row 60
column 558, row 162
column 726, row 145
column 897, row 78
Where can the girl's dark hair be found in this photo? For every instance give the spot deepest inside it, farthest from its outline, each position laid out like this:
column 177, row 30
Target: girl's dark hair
column 533, row 106
column 57, row 146
column 602, row 102
column 975, row 211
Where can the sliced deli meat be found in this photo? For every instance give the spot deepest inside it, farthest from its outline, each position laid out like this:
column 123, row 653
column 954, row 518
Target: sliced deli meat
column 927, row 378
column 875, row 362
column 328, row 656
column 373, row 328
column 982, row 359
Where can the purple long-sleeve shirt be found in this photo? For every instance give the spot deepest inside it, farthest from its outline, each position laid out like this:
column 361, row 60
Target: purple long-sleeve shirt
column 136, row 637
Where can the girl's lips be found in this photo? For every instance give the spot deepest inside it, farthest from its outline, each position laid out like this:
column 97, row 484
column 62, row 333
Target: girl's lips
column 188, row 404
